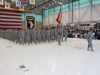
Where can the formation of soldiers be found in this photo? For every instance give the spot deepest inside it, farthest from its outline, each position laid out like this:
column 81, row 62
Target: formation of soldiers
column 34, row 35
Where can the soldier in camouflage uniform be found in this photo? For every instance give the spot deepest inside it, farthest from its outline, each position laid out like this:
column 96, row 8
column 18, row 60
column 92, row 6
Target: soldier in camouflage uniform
column 48, row 34
column 43, row 33
column 34, row 35
column 39, row 35
column 51, row 34
column 62, row 33
column 55, row 34
column 16, row 38
column 59, row 35
column 22, row 36
column 27, row 36
column 12, row 34
column 65, row 34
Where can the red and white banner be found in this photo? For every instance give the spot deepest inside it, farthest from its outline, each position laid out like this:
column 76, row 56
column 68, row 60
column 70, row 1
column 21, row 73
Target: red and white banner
column 9, row 20
column 59, row 17
column 1, row 2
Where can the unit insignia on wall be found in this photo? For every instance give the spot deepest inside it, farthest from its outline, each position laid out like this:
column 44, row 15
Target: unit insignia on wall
column 30, row 21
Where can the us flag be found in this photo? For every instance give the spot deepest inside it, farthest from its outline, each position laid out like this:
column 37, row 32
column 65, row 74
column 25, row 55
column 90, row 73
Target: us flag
column 10, row 20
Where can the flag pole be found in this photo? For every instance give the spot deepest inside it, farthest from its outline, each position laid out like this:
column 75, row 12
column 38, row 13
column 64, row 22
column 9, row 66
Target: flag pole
column 61, row 16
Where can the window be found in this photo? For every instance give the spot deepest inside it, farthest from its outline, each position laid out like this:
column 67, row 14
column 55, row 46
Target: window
column 46, row 13
column 94, row 2
column 57, row 9
column 83, row 3
column 39, row 18
column 64, row 7
column 51, row 11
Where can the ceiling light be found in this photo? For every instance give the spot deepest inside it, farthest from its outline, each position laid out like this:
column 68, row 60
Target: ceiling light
column 60, row 2
column 46, row 8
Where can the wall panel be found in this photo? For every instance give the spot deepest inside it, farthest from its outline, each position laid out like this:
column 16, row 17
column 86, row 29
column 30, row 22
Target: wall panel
column 96, row 13
column 80, row 15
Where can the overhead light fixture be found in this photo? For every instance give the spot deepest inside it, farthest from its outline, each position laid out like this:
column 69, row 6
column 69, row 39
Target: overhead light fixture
column 46, row 8
column 25, row 4
column 52, row 3
column 60, row 3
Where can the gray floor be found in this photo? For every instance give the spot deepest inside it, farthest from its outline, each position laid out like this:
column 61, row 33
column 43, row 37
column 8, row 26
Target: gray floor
column 71, row 58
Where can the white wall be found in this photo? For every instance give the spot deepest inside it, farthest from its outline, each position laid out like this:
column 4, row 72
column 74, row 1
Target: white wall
column 80, row 15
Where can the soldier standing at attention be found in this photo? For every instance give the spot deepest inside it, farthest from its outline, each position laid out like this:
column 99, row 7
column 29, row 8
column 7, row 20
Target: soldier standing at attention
column 59, row 36
column 10, row 36
column 34, row 35
column 65, row 34
column 51, row 34
column 89, row 39
column 14, row 32
column 22, row 36
column 16, row 36
column 55, row 34
column 27, row 36
column 62, row 31
column 48, row 35
column 38, row 35
column 43, row 32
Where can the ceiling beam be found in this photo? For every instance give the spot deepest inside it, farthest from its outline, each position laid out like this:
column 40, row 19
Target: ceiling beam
column 41, row 4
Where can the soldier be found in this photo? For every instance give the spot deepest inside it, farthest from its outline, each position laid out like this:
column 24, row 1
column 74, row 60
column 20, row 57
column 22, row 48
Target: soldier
column 16, row 38
column 39, row 35
column 14, row 32
column 55, row 34
column 51, row 34
column 65, row 34
column 10, row 36
column 6, row 34
column 43, row 32
column 34, row 35
column 48, row 34
column 62, row 30
column 22, row 36
column 89, row 39
column 11, row 33
column 27, row 36
column 59, row 36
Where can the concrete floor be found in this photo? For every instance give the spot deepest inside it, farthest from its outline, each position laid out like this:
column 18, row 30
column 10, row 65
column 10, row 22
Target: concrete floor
column 71, row 58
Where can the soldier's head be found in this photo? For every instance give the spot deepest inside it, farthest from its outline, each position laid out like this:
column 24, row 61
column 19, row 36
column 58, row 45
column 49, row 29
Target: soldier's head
column 91, row 30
